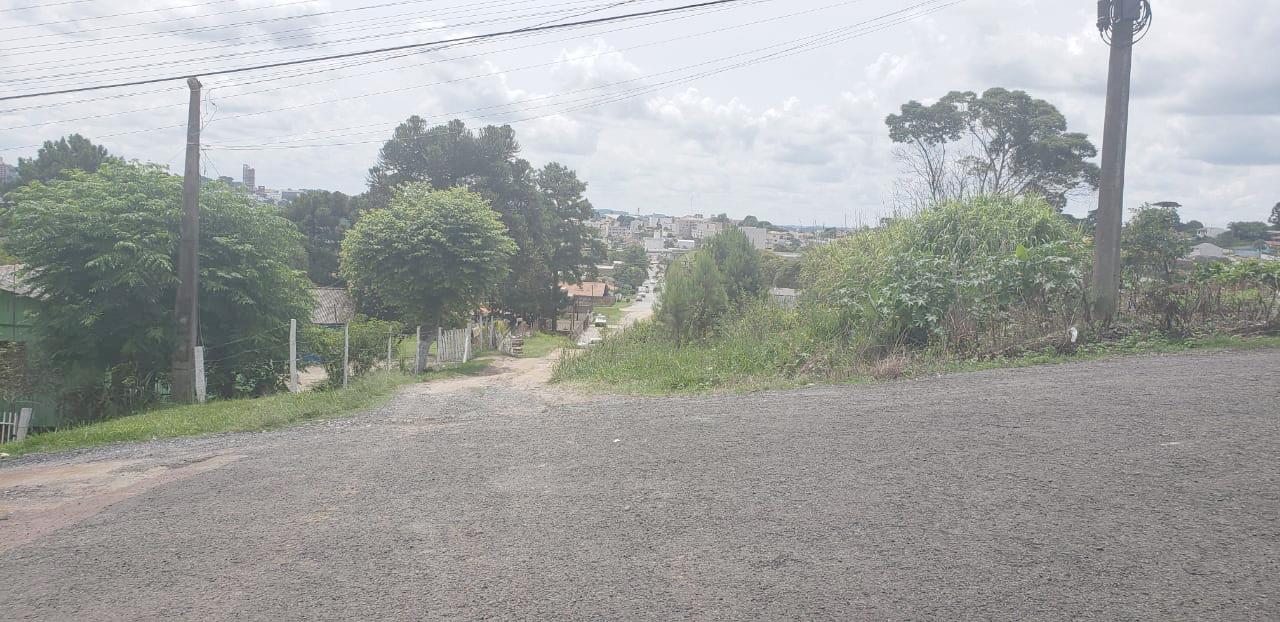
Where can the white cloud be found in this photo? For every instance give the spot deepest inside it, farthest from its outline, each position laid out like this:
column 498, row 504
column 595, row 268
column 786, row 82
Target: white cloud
column 794, row 140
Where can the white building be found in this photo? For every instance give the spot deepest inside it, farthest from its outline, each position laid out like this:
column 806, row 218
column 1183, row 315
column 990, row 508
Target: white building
column 8, row 172
column 759, row 237
column 706, row 229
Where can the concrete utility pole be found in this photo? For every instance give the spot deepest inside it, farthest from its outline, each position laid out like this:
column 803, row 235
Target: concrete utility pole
column 188, row 309
column 1118, row 21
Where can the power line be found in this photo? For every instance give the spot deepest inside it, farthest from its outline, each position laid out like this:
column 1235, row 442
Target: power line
column 408, row 46
column 61, row 77
column 43, row 6
column 417, row 86
column 278, row 35
column 267, row 20
column 161, row 10
column 824, row 39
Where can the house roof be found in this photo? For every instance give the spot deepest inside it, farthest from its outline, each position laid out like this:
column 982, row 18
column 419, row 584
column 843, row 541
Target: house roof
column 12, row 281
column 334, row 305
column 587, row 289
column 783, row 292
column 1207, row 250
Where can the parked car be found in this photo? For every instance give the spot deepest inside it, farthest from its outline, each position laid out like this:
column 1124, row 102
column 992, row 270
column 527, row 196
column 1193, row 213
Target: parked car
column 601, row 320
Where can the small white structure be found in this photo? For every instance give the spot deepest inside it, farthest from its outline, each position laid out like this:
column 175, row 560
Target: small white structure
column 1206, row 252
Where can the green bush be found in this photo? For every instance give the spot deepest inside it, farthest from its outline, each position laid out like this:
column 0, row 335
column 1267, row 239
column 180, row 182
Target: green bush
column 968, row 276
column 367, row 346
column 102, row 249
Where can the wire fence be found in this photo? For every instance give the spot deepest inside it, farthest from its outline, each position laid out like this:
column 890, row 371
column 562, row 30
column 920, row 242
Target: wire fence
column 297, row 357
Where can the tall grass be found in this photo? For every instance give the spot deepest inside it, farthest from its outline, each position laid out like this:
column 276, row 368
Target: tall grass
column 761, row 348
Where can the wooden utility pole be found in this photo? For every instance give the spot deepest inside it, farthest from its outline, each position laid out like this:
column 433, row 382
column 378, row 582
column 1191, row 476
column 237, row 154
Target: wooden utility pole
column 188, row 302
column 1118, row 20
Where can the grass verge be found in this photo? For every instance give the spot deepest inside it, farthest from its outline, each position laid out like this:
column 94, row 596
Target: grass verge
column 638, row 363
column 539, row 345
column 246, row 415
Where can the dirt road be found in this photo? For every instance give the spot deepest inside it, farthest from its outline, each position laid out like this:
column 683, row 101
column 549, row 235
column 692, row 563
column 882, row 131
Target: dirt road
column 1140, row 488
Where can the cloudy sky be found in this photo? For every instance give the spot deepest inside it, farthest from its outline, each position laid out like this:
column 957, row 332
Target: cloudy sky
column 768, row 107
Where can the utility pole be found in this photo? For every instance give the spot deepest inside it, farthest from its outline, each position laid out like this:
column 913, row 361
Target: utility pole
column 188, row 302
column 1118, row 22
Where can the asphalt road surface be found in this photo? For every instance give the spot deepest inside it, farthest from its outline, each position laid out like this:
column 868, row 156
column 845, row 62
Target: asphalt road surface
column 1140, row 488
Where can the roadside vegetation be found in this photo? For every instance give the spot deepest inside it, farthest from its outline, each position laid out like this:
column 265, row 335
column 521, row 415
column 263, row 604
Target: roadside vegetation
column 541, row 344
column 959, row 285
column 235, row 415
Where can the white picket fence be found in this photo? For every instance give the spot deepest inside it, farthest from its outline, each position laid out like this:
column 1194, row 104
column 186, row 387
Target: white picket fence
column 453, row 346
column 14, row 425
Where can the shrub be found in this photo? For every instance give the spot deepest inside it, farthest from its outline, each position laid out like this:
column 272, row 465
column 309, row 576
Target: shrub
column 102, row 249
column 367, row 346
column 969, row 276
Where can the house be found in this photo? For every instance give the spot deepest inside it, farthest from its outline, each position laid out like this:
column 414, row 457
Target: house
column 1211, row 232
column 334, row 306
column 18, row 304
column 592, row 292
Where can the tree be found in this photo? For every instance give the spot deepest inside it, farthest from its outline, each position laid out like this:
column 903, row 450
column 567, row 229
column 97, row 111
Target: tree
column 693, row 299
column 431, row 256
column 74, row 152
column 322, row 218
column 1275, row 215
column 1002, row 143
column 1151, row 247
column 573, row 244
column 739, row 263
column 534, row 205
column 749, row 221
column 102, row 249
column 634, row 270
column 1248, row 232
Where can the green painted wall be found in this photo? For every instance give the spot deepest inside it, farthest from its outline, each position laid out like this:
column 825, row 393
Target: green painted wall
column 16, row 324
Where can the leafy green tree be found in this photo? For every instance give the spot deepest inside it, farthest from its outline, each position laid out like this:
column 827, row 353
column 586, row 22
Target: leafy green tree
column 74, row 152
column 1151, row 247
column 1248, row 232
column 739, row 263
column 1000, row 143
column 102, row 249
column 634, row 270
column 431, row 256
column 542, row 209
column 693, row 298
column 323, row 218
column 573, row 244
column 1275, row 215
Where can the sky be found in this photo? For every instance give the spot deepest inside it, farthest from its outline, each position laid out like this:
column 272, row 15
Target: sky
column 773, row 108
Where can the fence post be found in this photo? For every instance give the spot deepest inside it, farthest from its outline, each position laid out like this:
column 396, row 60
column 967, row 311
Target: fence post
column 466, row 344
column 293, row 356
column 417, row 353
column 198, row 365
column 439, row 343
column 346, row 351
column 24, row 423
column 389, row 337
